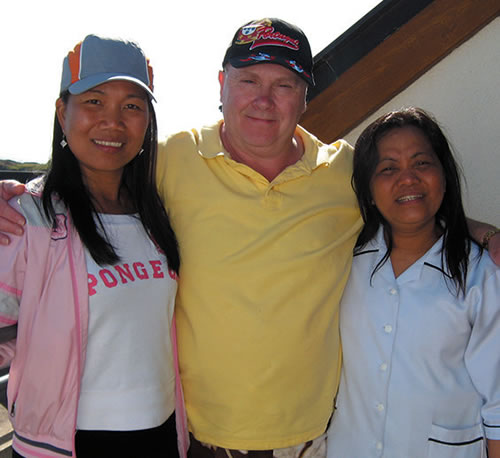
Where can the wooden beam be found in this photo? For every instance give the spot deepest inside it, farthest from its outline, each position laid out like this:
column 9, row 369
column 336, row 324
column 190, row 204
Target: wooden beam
column 393, row 65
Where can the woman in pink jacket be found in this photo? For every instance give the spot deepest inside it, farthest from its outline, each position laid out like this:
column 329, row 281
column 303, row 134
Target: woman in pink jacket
column 91, row 283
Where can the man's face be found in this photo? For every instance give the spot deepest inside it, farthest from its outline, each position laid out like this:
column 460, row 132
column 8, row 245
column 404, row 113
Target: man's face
column 262, row 105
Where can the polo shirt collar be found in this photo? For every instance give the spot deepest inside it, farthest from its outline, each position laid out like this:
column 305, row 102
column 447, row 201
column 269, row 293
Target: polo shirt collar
column 209, row 142
column 211, row 146
column 430, row 260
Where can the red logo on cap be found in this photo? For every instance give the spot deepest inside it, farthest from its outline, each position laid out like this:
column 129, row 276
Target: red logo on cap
column 262, row 33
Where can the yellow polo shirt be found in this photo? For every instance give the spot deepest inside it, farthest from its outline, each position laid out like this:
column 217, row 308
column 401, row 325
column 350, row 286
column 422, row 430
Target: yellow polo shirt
column 263, row 267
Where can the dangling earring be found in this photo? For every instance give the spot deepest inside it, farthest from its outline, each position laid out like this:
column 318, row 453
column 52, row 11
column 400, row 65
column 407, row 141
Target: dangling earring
column 63, row 142
column 141, row 151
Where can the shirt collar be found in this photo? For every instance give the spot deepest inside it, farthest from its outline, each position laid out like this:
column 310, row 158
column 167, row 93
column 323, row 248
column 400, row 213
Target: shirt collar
column 210, row 146
column 432, row 259
column 209, row 141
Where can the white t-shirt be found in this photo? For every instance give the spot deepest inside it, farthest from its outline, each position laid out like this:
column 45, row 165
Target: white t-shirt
column 128, row 381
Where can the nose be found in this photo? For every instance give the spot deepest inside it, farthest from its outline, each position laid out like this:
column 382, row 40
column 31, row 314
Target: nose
column 263, row 99
column 112, row 117
column 408, row 176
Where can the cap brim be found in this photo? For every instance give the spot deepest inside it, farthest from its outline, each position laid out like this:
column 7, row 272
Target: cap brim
column 85, row 84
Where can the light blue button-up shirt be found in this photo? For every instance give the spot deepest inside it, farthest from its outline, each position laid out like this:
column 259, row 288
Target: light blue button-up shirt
column 421, row 373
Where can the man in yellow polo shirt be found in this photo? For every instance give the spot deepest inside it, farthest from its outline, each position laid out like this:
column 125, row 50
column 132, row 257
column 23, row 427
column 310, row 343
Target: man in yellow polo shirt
column 266, row 221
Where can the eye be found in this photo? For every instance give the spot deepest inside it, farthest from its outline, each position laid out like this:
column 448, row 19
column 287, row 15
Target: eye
column 387, row 170
column 424, row 163
column 93, row 101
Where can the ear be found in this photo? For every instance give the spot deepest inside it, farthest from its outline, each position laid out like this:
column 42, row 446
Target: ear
column 222, row 79
column 61, row 112
column 304, row 108
column 305, row 100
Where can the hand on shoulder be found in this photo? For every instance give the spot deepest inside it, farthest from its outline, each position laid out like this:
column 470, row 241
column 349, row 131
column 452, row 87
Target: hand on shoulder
column 11, row 222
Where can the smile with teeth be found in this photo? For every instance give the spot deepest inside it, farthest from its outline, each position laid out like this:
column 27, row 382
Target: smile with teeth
column 107, row 143
column 409, row 198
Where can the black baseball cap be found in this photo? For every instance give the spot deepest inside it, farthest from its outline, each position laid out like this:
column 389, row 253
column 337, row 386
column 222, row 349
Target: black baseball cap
column 271, row 41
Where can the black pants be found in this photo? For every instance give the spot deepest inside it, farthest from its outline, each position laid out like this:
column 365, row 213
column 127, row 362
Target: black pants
column 149, row 443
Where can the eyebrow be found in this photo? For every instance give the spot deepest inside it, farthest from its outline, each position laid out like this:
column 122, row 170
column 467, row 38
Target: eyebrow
column 285, row 78
column 418, row 153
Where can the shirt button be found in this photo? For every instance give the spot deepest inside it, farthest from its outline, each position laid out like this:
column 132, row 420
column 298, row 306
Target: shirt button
column 380, row 407
column 393, row 291
column 388, row 328
column 379, row 446
column 383, row 367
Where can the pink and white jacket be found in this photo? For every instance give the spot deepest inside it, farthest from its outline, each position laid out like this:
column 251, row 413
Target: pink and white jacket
column 43, row 288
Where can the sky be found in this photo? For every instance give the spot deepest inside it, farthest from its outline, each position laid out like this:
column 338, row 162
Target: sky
column 185, row 41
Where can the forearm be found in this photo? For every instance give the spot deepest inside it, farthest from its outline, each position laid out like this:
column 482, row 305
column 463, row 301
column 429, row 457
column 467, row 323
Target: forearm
column 482, row 232
column 478, row 229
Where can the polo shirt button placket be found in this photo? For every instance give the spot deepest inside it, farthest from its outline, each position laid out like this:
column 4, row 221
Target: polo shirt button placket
column 380, row 407
column 272, row 198
column 388, row 329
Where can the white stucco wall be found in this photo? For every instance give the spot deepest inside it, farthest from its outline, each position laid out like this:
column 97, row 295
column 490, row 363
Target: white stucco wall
column 463, row 93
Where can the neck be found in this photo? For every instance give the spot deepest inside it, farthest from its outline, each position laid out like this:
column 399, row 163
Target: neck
column 408, row 247
column 109, row 197
column 269, row 161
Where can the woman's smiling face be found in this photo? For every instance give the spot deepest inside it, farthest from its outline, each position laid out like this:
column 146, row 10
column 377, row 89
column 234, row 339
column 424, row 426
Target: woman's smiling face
column 408, row 184
column 105, row 126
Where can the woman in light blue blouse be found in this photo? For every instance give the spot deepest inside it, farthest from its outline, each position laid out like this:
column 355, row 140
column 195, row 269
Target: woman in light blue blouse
column 420, row 317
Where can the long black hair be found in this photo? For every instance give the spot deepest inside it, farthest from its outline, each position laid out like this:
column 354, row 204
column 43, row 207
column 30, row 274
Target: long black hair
column 450, row 216
column 64, row 179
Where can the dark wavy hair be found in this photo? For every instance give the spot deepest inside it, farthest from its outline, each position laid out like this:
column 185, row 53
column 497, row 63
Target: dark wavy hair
column 450, row 216
column 64, row 179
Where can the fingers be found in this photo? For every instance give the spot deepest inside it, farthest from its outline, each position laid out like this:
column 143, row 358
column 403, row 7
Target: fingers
column 10, row 188
column 11, row 222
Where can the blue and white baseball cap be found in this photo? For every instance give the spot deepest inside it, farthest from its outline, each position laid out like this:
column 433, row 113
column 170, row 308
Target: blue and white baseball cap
column 97, row 60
